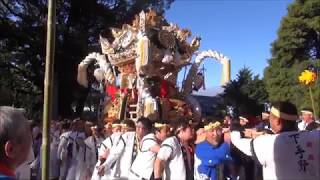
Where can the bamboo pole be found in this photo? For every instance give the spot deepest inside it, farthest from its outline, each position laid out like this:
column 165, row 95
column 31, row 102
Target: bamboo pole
column 48, row 82
column 312, row 103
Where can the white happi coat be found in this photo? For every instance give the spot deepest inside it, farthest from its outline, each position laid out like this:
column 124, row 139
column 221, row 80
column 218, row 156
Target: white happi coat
column 289, row 155
column 170, row 151
column 62, row 154
column 91, row 150
column 54, row 144
column 107, row 144
column 142, row 166
column 120, row 157
column 78, row 160
column 69, row 168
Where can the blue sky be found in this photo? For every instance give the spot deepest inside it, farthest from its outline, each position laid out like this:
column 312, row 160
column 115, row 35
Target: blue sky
column 242, row 30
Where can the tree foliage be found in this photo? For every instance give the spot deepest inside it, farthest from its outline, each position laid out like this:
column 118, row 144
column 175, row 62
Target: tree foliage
column 297, row 47
column 246, row 93
column 79, row 22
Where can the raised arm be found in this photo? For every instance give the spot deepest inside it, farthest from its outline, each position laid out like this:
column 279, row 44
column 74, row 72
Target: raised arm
column 243, row 144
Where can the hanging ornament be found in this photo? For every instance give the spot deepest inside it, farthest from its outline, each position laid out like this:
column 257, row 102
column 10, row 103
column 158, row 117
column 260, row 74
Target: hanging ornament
column 198, row 81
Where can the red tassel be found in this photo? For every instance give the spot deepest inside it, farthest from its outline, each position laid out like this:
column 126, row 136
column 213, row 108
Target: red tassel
column 111, row 91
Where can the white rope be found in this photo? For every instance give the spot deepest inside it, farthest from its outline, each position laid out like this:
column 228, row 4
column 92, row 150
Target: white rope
column 104, row 72
column 210, row 53
column 187, row 85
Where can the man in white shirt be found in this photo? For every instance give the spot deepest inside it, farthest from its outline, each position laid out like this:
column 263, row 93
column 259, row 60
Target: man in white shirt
column 142, row 166
column 121, row 155
column 62, row 149
column 55, row 133
column 78, row 158
column 70, row 146
column 286, row 154
column 104, row 149
column 175, row 157
column 92, row 145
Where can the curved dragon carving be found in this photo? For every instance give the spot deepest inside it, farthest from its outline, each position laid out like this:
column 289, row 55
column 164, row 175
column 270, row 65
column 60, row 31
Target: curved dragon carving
column 103, row 73
column 192, row 74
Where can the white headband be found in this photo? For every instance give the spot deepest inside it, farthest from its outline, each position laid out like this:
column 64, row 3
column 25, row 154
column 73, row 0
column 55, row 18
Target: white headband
column 306, row 112
column 211, row 126
column 243, row 118
column 160, row 125
column 284, row 116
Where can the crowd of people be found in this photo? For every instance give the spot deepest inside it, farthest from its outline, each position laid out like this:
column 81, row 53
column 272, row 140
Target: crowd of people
column 279, row 146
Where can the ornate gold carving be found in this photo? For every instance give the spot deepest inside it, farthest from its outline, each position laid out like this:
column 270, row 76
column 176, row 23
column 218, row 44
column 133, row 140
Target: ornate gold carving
column 183, row 34
column 166, row 39
column 195, row 43
column 153, row 19
column 170, row 51
column 128, row 68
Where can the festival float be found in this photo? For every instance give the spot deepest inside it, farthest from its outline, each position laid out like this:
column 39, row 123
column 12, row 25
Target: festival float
column 138, row 70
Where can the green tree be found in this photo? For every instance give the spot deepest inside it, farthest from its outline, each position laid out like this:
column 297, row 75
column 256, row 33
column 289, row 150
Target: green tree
column 246, row 93
column 297, row 47
column 79, row 22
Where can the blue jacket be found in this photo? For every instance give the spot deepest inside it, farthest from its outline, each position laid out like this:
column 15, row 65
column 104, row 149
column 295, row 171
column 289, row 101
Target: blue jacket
column 4, row 177
column 211, row 156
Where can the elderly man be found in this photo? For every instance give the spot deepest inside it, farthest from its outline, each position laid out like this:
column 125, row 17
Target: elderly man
column 308, row 123
column 286, row 154
column 15, row 138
